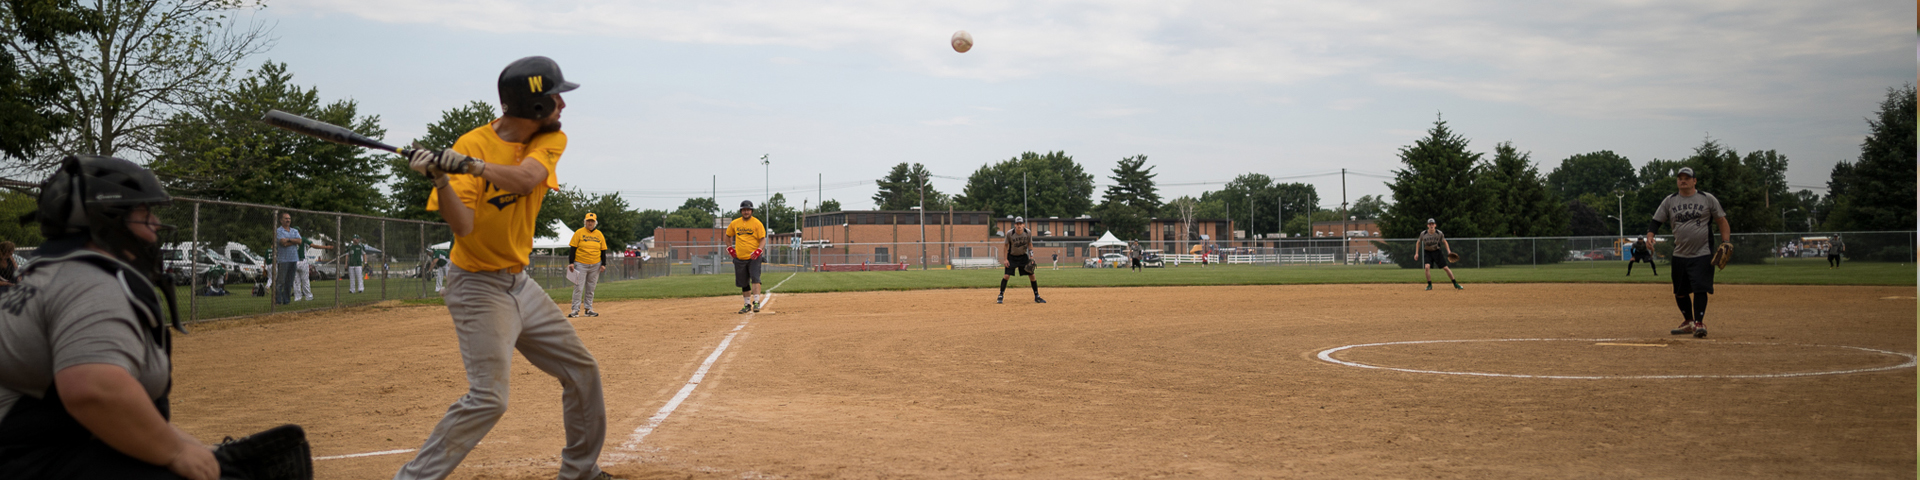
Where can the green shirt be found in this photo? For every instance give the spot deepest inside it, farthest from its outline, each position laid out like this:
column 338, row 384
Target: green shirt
column 356, row 254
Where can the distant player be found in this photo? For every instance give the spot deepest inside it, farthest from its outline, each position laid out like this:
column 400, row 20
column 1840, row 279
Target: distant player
column 488, row 188
column 1133, row 255
column 1834, row 250
column 1642, row 253
column 1433, row 253
column 749, row 236
column 1689, row 213
column 589, row 258
column 1019, row 260
column 356, row 252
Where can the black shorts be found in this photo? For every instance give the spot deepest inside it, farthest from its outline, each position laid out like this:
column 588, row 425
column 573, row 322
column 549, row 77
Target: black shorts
column 1019, row 265
column 1691, row 275
column 746, row 273
column 1434, row 258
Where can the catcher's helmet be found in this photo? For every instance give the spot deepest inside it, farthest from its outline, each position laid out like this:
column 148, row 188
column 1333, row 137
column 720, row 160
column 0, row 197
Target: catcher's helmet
column 92, row 195
column 527, row 87
column 746, row 204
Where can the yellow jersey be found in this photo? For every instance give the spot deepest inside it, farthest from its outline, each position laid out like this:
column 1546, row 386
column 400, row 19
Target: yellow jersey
column 747, row 235
column 502, row 235
column 587, row 245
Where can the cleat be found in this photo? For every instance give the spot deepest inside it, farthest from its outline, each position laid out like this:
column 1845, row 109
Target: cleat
column 1699, row 330
column 1037, row 299
column 1000, row 299
column 1458, row 287
column 592, row 313
column 1429, row 286
column 573, row 314
column 756, row 307
column 746, row 308
column 1686, row 327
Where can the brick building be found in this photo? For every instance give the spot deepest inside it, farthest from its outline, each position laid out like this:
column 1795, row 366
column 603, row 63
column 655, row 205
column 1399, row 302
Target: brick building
column 893, row 236
column 1360, row 234
column 680, row 244
column 1165, row 233
column 1066, row 237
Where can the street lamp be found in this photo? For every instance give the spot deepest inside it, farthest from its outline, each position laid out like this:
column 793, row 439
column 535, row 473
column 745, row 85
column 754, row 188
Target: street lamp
column 766, row 182
column 1620, row 208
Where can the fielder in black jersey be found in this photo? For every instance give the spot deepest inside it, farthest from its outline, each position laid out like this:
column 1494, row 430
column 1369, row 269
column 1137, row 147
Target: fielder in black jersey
column 1641, row 252
column 1019, row 260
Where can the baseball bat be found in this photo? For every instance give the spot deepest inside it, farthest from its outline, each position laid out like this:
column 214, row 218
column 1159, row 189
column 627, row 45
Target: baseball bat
column 327, row 131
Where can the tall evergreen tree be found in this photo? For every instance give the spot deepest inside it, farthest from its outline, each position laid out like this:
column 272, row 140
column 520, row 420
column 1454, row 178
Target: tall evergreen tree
column 1874, row 192
column 1518, row 203
column 1055, row 186
column 1131, row 201
column 1437, row 183
column 410, row 189
column 900, row 189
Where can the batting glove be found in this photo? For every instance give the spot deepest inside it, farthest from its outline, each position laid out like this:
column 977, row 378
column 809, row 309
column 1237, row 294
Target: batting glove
column 422, row 161
column 453, row 162
column 731, row 253
column 757, row 253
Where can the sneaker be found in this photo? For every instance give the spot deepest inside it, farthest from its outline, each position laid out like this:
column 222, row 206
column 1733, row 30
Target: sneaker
column 592, row 313
column 756, row 307
column 1429, row 286
column 1000, row 299
column 1037, row 299
column 1686, row 327
column 746, row 308
column 573, row 314
column 1457, row 286
column 1699, row 330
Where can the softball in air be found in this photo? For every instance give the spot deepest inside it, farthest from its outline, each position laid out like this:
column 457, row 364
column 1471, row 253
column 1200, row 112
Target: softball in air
column 962, row 41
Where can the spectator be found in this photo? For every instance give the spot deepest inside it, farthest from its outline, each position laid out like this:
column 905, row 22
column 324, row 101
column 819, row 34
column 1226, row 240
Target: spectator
column 286, row 258
column 8, row 268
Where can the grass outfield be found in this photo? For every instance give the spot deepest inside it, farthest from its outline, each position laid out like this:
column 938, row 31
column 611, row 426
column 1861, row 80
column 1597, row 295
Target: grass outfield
column 1790, row 272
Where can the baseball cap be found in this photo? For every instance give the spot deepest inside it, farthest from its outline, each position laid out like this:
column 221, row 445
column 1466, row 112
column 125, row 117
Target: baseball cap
column 1688, row 171
column 1019, row 219
column 1430, row 221
column 591, row 216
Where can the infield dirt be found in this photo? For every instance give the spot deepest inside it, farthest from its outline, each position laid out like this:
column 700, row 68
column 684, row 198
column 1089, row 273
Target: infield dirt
column 1187, row 382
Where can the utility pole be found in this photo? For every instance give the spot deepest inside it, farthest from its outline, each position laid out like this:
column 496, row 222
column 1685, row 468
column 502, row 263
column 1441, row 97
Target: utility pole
column 1023, row 195
column 767, row 187
column 1343, row 217
column 923, row 222
column 1620, row 212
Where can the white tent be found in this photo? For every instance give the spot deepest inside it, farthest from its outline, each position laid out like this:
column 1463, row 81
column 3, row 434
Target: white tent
column 542, row 243
column 1107, row 241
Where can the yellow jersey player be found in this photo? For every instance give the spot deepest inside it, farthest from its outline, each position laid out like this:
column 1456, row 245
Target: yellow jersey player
column 749, row 236
column 488, row 188
column 589, row 259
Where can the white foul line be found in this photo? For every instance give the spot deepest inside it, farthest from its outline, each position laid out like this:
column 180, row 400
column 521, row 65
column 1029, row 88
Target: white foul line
column 368, row 454
column 659, row 417
column 1327, row 356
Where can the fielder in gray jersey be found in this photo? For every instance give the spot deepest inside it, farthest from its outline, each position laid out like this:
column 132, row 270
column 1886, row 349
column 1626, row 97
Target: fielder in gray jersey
column 1689, row 214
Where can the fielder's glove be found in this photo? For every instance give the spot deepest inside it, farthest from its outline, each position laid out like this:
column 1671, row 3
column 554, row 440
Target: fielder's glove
column 1722, row 255
column 280, row 453
column 1453, row 257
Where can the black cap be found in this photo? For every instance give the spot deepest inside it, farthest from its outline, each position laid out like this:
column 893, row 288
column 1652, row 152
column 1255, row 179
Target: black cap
column 527, row 87
column 1430, row 221
column 746, row 204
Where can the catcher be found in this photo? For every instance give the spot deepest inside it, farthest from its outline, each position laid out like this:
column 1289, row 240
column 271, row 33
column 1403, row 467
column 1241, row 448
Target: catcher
column 85, row 350
column 1641, row 251
column 1432, row 242
column 1019, row 260
column 1693, row 264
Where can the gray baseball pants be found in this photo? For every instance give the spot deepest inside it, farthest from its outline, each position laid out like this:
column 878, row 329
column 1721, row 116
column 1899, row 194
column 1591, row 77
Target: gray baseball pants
column 589, row 280
column 493, row 314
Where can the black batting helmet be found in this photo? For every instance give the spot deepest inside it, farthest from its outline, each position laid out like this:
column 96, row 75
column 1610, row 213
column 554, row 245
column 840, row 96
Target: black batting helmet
column 746, row 204
column 527, row 87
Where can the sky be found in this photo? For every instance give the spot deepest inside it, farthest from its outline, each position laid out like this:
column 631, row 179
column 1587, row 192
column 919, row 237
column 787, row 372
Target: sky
column 678, row 96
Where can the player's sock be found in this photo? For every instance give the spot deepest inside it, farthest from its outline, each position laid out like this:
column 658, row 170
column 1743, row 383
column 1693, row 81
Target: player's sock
column 1036, row 287
column 1003, row 287
column 1686, row 306
column 1699, row 306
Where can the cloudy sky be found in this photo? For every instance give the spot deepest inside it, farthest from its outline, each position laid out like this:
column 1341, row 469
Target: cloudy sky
column 837, row 91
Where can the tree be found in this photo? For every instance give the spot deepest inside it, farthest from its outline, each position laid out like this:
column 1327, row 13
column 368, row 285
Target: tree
column 1518, row 203
column 828, row 205
column 15, row 205
column 1598, row 173
column 777, row 214
column 1368, row 207
column 30, row 97
column 410, row 189
column 1255, row 203
column 704, row 204
column 618, row 222
column 1131, row 201
column 697, row 212
column 1584, row 221
column 1055, row 186
column 1436, row 183
column 148, row 62
column 1874, row 192
column 221, row 151
column 1185, row 209
column 647, row 220
column 901, row 189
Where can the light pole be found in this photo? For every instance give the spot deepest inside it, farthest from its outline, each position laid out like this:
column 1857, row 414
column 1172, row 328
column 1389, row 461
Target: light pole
column 923, row 222
column 766, row 182
column 1620, row 211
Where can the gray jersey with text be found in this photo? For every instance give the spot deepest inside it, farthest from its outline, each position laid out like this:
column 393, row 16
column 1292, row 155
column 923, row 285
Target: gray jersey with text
column 72, row 313
column 1690, row 217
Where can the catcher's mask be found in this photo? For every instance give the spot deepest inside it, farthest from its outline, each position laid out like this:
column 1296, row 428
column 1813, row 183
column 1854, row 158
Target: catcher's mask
column 94, row 195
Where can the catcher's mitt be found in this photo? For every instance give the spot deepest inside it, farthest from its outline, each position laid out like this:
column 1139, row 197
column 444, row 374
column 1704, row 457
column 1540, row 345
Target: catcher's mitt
column 1722, row 255
column 1453, row 257
column 279, row 453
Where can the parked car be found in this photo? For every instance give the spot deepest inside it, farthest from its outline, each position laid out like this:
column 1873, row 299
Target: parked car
column 1151, row 258
column 1114, row 260
column 182, row 262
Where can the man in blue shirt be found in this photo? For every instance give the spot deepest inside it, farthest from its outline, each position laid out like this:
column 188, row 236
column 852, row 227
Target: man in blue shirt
column 286, row 255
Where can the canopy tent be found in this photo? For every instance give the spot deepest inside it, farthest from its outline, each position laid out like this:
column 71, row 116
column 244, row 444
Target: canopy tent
column 1107, row 240
column 541, row 243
